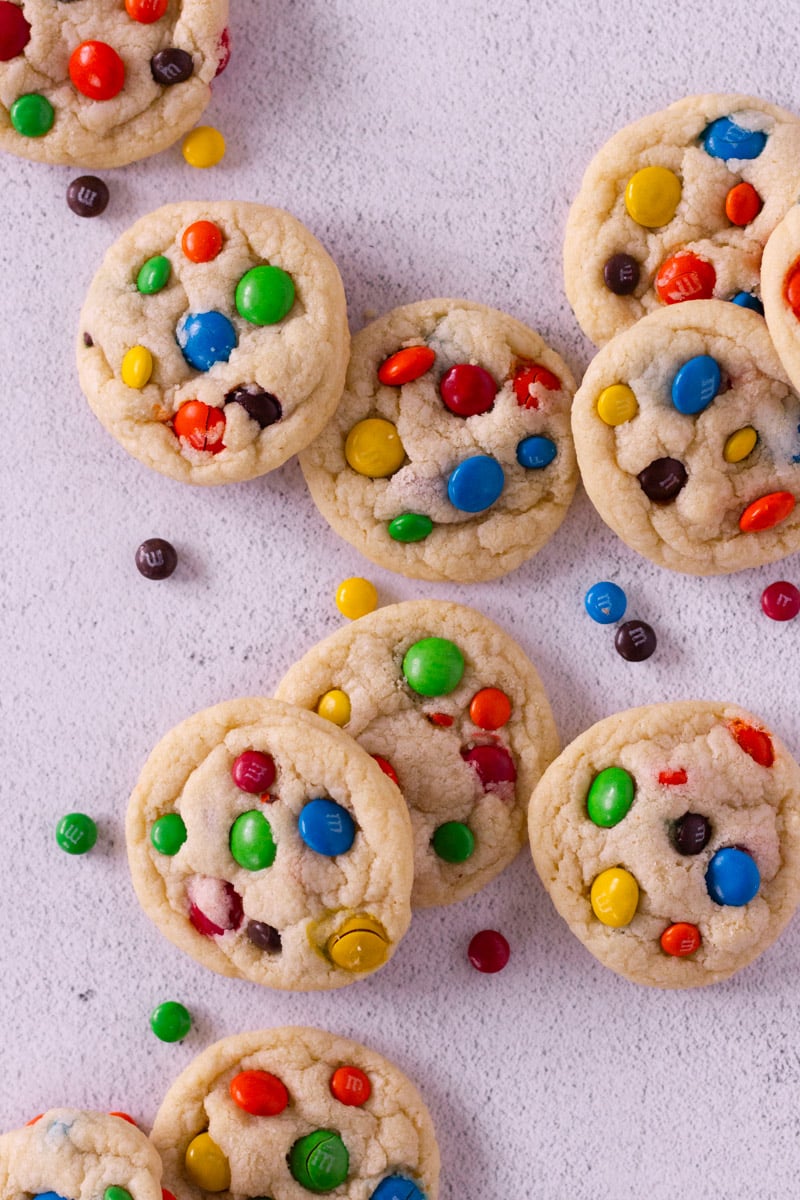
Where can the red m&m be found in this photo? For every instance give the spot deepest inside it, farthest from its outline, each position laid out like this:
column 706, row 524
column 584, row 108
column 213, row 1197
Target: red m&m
column 685, row 276
column 96, row 70
column 406, row 365
column 146, row 11
column 350, row 1086
column 15, row 31
column 201, row 241
column 468, row 390
column 488, row 951
column 781, row 601
column 201, row 425
column 259, row 1093
column 526, row 376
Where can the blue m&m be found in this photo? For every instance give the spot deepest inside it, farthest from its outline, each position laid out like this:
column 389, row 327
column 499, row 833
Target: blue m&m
column 605, row 602
column 725, row 139
column 748, row 300
column 732, row 877
column 326, row 827
column 475, row 484
column 696, row 384
column 206, row 338
column 397, row 1187
column 536, row 452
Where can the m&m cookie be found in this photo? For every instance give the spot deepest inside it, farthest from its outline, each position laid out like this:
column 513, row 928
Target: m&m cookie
column 780, row 288
column 295, row 1112
column 213, row 342
column 455, row 713
column 268, row 845
column 69, row 1154
column 687, row 432
column 678, row 206
column 450, row 456
column 668, row 838
column 100, row 83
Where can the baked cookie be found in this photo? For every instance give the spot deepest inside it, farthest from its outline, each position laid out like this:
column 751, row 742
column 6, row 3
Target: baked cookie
column 450, row 456
column 780, row 287
column 678, row 207
column 291, row 1112
column 67, row 1154
column 267, row 845
column 668, row 838
column 100, row 83
column 454, row 712
column 213, row 342
column 688, row 439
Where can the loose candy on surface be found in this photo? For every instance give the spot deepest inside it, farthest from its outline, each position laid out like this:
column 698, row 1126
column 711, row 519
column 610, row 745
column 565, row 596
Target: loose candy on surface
column 76, row 833
column 635, row 641
column 156, row 559
column 88, row 196
column 781, row 601
column 204, row 147
column 355, row 597
column 605, row 602
column 488, row 951
column 170, row 1021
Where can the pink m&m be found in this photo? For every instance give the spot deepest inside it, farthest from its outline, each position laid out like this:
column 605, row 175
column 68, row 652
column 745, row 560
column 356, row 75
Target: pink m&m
column 254, row 772
column 488, row 951
column 781, row 601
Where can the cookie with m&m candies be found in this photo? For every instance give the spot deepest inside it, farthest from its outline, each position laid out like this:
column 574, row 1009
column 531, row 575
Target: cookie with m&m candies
column 668, row 838
column 101, row 83
column 266, row 844
column 213, row 340
column 72, row 1154
column 296, row 1111
column 678, row 206
column 455, row 713
column 687, row 432
column 780, row 288
column 450, row 455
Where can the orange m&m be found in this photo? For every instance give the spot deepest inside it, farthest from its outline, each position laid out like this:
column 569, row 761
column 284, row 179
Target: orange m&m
column 685, row 276
column 387, row 768
column 350, row 1086
column 742, row 204
column 201, row 241
column 200, row 425
column 755, row 742
column 681, row 939
column 146, row 11
column 406, row 365
column 766, row 512
column 259, row 1093
column 96, row 70
column 791, row 288
column 490, row 708
column 525, row 376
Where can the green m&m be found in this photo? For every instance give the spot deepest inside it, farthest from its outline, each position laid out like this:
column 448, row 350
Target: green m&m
column 76, row 833
column 319, row 1161
column 32, row 115
column 610, row 797
column 168, row 834
column 117, row 1193
column 264, row 295
column 252, row 843
column 454, row 842
column 410, row 527
column 433, row 666
column 170, row 1021
column 153, row 275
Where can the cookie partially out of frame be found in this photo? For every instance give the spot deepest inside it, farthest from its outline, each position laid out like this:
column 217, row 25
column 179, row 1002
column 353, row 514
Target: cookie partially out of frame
column 291, row 1112
column 100, row 83
column 268, row 845
column 687, row 432
column 450, row 456
column 677, row 207
column 456, row 711
column 780, row 286
column 213, row 341
column 668, row 838
column 79, row 1155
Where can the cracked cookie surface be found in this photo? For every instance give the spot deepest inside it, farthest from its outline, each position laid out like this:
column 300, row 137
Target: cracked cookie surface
column 678, row 206
column 466, row 759
column 162, row 70
column 266, row 844
column 780, row 285
column 687, row 432
column 78, row 1155
column 378, row 1138
column 450, row 456
column 213, row 341
column 668, row 838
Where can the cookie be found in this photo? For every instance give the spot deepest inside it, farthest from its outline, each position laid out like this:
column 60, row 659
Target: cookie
column 678, row 206
column 268, row 845
column 213, row 342
column 668, row 838
column 450, row 456
column 455, row 713
column 67, row 1154
column 780, row 288
column 100, row 83
column 288, row 1113
column 687, row 432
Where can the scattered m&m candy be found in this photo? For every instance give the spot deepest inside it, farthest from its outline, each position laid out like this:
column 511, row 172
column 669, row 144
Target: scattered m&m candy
column 203, row 147
column 88, row 196
column 170, row 1021
column 355, row 597
column 488, row 951
column 76, row 833
column 156, row 559
column 781, row 601
column 605, row 602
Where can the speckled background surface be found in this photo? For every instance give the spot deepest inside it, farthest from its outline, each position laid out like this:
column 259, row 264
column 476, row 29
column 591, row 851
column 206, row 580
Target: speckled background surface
column 434, row 148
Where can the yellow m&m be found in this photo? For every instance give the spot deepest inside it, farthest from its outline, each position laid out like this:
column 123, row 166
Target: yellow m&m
column 203, row 147
column 334, row 706
column 615, row 897
column 137, row 367
column 356, row 597
column 360, row 944
column 206, row 1165
column 373, row 448
column 740, row 444
column 652, row 196
column 617, row 404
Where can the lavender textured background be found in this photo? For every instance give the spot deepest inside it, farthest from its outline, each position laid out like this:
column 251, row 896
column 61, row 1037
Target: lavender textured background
column 434, row 148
